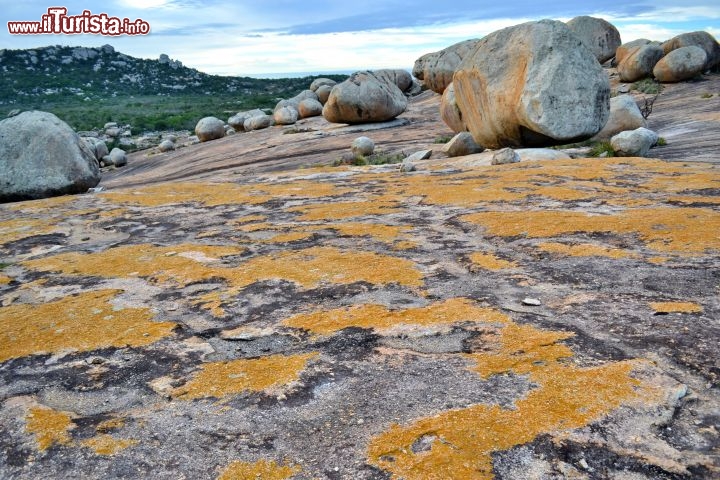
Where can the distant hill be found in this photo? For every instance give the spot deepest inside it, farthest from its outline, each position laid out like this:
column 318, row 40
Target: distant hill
column 90, row 86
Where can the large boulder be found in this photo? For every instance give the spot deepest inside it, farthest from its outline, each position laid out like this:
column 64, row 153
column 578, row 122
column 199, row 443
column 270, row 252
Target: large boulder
column 285, row 116
column 626, row 48
column 700, row 39
column 534, row 85
column 450, row 112
column 310, row 108
column 237, row 121
column 436, row 69
column 624, row 115
column 634, row 143
column 319, row 82
column 364, row 98
column 639, row 62
column 323, row 93
column 600, row 36
column 41, row 156
column 117, row 157
column 294, row 102
column 258, row 122
column 401, row 78
column 210, row 128
column 681, row 64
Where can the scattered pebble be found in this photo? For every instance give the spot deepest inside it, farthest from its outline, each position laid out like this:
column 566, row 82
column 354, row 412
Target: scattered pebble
column 533, row 302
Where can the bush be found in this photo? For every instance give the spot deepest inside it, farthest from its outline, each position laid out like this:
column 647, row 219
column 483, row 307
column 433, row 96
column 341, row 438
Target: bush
column 600, row 148
column 443, row 139
column 661, row 142
column 648, row 85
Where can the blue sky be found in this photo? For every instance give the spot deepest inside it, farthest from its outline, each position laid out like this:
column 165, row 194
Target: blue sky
column 242, row 38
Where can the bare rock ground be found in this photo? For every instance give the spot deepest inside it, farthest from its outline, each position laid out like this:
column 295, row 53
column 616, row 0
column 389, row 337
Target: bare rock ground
column 219, row 312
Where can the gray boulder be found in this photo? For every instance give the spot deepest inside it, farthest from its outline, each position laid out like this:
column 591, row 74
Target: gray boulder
column 462, row 144
column 436, row 69
column 700, row 39
column 681, row 64
column 210, row 128
column 323, row 92
column 533, row 85
column 505, row 156
column 626, row 48
column 237, row 121
column 166, row 146
column 450, row 111
column 258, row 122
column 286, row 115
column 417, row 156
column 101, row 149
column 401, row 78
column 600, row 36
column 319, row 82
column 362, row 146
column 634, row 143
column 117, row 157
column 639, row 62
column 310, row 108
column 364, row 98
column 41, row 156
column 294, row 102
column 624, row 115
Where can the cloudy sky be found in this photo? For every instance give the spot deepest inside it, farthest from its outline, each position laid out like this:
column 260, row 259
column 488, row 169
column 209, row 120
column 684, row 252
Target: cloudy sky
column 230, row 37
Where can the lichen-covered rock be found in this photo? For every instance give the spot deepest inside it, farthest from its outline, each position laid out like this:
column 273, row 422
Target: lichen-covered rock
column 462, row 144
column 364, row 98
column 309, row 108
column 639, row 62
column 681, row 64
column 634, row 143
column 450, row 111
column 700, row 39
column 624, row 115
column 533, row 84
column 41, row 156
column 599, row 35
column 436, row 69
column 210, row 128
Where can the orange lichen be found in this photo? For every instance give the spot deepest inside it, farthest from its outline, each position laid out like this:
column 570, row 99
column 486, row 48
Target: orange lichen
column 82, row 322
column 585, row 250
column 488, row 261
column 378, row 317
column 262, row 469
column 462, row 441
column 49, row 426
column 222, row 379
column 19, row 228
column 341, row 210
column 676, row 307
column 44, row 204
column 105, row 444
column 686, row 230
column 292, row 232
column 4, row 279
column 110, row 424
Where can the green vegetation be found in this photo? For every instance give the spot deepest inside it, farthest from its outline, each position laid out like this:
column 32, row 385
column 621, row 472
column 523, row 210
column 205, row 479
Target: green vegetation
column 380, row 158
column 602, row 149
column 648, row 85
column 706, row 95
column 443, row 139
column 661, row 142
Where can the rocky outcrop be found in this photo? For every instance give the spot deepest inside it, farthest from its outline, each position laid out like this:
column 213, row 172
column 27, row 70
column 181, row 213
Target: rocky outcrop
column 397, row 76
column 286, row 115
column 600, row 36
column 462, row 144
column 41, row 156
column 362, row 98
column 639, row 62
column 310, row 108
column 700, row 39
column 681, row 64
column 294, row 102
column 436, row 69
column 258, row 122
column 533, row 84
column 626, row 48
column 319, row 82
column 450, row 111
column 634, row 143
column 210, row 128
column 624, row 115
column 237, row 121
column 323, row 93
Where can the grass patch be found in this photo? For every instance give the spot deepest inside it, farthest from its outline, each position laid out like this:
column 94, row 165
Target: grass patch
column 706, row 95
column 602, row 149
column 294, row 130
column 443, row 139
column 647, row 85
column 661, row 142
column 380, row 158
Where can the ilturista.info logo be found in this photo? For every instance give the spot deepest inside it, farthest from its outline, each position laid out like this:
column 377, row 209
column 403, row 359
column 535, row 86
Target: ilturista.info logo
column 57, row 22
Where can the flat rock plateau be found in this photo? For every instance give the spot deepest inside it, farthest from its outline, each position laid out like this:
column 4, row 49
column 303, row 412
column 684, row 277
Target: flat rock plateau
column 232, row 310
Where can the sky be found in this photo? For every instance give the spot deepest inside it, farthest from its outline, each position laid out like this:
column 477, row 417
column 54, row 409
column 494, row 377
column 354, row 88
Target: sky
column 230, row 37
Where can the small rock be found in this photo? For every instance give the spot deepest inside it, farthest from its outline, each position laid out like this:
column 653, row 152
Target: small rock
column 419, row 155
column 462, row 144
column 362, row 146
column 532, row 302
column 166, row 146
column 505, row 156
column 406, row 166
column 634, row 143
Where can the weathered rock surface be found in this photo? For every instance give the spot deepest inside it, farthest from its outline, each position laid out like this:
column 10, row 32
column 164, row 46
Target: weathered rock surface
column 166, row 146
column 210, row 128
column 634, row 143
column 462, row 144
column 681, row 64
column 505, row 156
column 537, row 154
column 117, row 158
column 397, row 76
column 362, row 146
column 626, row 48
column 320, row 82
column 323, row 93
column 531, row 85
column 309, row 107
column 436, row 69
column 599, row 35
column 41, row 156
column 450, row 111
column 258, row 122
column 639, row 62
column 624, row 115
column 286, row 115
column 700, row 39
column 237, row 121
column 364, row 98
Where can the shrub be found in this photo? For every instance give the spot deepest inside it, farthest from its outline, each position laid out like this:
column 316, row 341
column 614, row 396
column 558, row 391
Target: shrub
column 600, row 148
column 661, row 142
column 443, row 139
column 647, row 85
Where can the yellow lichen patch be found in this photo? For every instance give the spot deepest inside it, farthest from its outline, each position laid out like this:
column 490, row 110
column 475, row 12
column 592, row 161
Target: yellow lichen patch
column 682, row 230
column 688, row 199
column 105, row 444
column 111, row 424
column 262, row 469
column 4, row 279
column 451, row 311
column 83, row 322
column 49, row 426
column 462, row 441
column 404, row 245
column 19, row 228
column 658, row 260
column 182, row 264
column 256, row 227
column 585, row 250
column 222, row 193
column 289, row 237
column 488, row 261
column 222, row 379
column 676, row 307
column 341, row 210
column 382, row 232
column 248, row 219
column 44, row 204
